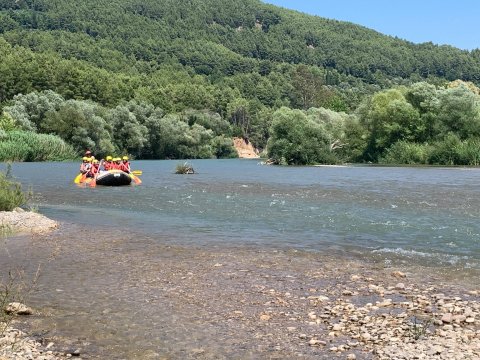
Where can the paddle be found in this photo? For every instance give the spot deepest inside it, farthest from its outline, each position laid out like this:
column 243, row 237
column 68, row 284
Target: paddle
column 78, row 178
column 137, row 172
column 135, row 179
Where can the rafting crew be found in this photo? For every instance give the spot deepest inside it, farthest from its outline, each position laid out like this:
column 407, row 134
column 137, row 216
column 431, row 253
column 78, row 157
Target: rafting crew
column 91, row 166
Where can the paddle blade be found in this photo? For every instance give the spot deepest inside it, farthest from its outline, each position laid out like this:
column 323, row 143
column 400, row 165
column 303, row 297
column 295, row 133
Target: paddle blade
column 137, row 172
column 136, row 179
column 78, row 179
column 93, row 183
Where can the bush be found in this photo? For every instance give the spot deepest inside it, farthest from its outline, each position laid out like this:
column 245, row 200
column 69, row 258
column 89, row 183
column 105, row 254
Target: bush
column 11, row 194
column 404, row 152
column 184, row 168
column 29, row 146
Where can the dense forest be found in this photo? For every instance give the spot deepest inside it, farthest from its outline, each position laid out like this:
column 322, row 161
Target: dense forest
column 178, row 79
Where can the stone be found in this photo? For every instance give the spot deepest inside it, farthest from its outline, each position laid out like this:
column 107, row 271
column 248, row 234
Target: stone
column 337, row 327
column 265, row 317
column 400, row 286
column 316, row 342
column 351, row 357
column 447, row 318
column 17, row 308
column 398, row 274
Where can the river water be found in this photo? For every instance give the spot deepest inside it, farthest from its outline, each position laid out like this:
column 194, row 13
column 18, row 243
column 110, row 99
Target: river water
column 412, row 215
column 123, row 280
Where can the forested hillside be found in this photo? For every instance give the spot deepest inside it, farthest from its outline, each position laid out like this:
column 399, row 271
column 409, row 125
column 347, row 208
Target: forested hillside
column 180, row 78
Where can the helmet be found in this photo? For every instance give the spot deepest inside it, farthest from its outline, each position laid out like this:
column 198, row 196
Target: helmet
column 125, row 158
column 108, row 158
column 88, row 152
column 117, row 159
column 89, row 159
column 84, row 158
column 95, row 161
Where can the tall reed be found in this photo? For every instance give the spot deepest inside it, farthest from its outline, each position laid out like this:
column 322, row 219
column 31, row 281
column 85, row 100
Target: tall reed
column 30, row 146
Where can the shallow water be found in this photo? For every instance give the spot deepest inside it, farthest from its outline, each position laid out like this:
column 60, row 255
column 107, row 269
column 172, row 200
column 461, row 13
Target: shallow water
column 426, row 216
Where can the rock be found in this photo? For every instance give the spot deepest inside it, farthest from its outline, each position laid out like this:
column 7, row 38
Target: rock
column 366, row 337
column 351, row 357
column 265, row 317
column 337, row 327
column 75, row 352
column 447, row 318
column 400, row 286
column 17, row 308
column 316, row 342
column 398, row 274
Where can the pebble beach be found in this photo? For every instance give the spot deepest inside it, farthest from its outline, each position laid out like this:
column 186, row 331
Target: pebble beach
column 257, row 303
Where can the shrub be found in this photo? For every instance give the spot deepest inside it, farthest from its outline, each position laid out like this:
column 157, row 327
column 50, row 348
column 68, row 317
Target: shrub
column 404, row 152
column 11, row 194
column 29, row 146
column 184, row 168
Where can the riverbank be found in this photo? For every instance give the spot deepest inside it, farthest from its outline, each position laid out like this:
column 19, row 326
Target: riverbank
column 14, row 343
column 20, row 221
column 118, row 300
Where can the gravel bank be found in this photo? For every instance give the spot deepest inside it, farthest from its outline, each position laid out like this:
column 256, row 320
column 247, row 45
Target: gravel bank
column 20, row 221
column 15, row 344
column 121, row 301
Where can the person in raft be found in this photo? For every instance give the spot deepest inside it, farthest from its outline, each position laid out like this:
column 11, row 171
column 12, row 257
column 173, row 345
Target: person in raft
column 95, row 167
column 88, row 154
column 117, row 163
column 107, row 163
column 125, row 165
column 85, row 165
column 88, row 168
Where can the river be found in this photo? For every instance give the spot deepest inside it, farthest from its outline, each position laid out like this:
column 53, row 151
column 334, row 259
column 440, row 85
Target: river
column 415, row 215
column 113, row 240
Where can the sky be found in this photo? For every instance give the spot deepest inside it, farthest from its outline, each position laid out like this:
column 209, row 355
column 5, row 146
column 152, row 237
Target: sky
column 450, row 22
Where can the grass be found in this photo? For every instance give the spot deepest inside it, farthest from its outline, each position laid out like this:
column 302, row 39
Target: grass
column 184, row 168
column 419, row 328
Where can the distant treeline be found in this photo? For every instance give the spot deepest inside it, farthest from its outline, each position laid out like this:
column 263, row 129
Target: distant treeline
column 418, row 124
column 178, row 79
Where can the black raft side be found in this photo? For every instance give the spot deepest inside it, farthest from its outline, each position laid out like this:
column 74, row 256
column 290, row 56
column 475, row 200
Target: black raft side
column 114, row 178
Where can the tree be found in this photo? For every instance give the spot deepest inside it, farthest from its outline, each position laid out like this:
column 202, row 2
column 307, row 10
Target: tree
column 296, row 140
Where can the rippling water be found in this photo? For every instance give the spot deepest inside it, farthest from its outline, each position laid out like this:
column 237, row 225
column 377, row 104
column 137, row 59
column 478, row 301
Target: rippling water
column 425, row 216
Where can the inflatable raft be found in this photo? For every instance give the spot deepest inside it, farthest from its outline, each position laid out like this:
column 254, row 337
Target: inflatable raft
column 109, row 178
column 114, row 178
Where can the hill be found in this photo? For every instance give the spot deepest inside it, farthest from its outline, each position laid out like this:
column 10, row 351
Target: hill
column 240, row 60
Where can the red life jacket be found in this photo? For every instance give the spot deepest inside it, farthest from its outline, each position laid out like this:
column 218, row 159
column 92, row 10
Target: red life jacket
column 125, row 166
column 93, row 170
column 107, row 165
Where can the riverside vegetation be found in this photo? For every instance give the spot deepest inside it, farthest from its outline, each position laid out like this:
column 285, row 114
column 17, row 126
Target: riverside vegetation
column 159, row 79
